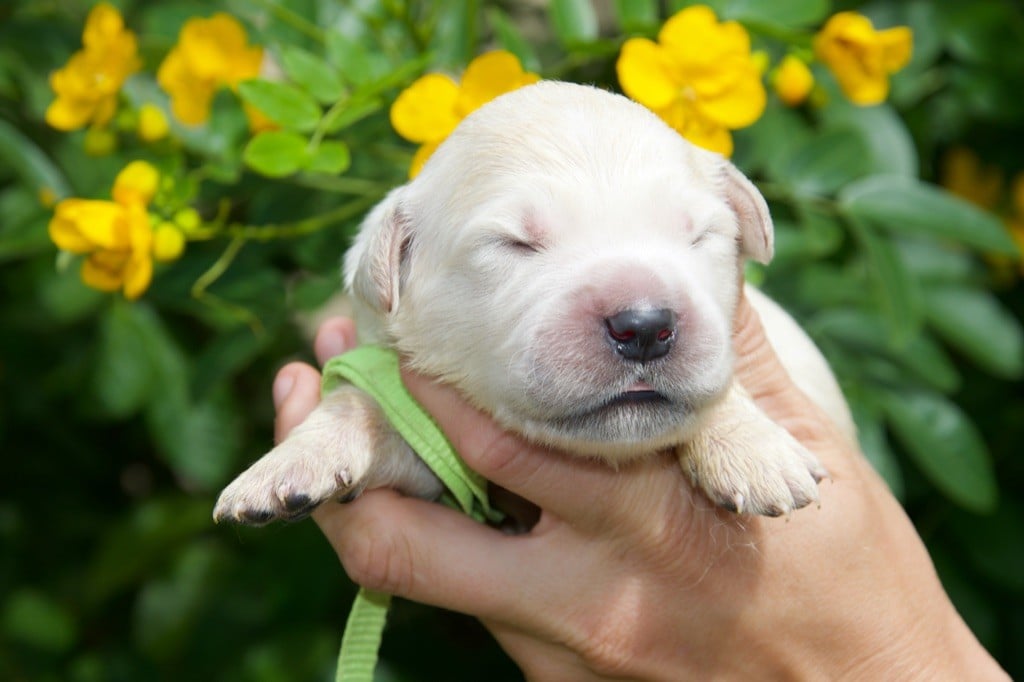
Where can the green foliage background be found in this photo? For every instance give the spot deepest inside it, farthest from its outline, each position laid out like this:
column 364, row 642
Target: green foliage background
column 119, row 422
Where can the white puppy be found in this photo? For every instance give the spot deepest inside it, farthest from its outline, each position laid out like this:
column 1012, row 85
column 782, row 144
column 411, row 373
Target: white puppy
column 572, row 266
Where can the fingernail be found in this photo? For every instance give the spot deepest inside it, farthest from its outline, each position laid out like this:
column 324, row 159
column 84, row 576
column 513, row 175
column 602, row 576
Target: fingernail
column 283, row 385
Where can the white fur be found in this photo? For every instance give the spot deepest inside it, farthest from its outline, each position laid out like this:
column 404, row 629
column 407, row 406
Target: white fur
column 546, row 212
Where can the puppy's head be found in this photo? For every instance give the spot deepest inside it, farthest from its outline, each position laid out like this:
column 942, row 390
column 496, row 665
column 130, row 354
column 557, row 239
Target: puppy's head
column 571, row 264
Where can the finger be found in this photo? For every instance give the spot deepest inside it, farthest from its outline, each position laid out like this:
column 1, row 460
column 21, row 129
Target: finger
column 563, row 484
column 762, row 374
column 296, row 392
column 757, row 368
column 335, row 336
column 428, row 553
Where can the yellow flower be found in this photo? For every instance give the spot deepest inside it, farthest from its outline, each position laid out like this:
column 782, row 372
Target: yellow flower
column 153, row 125
column 210, row 54
column 792, row 81
column 88, row 85
column 428, row 110
column 699, row 77
column 862, row 58
column 115, row 236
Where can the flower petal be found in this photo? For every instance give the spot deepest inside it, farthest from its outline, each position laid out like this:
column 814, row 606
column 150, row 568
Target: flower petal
column 104, row 270
column 489, row 75
column 646, row 75
column 136, row 184
column 103, row 26
column 425, row 111
column 83, row 225
column 897, row 46
column 689, row 123
column 68, row 114
column 138, row 273
column 695, row 38
column 739, row 106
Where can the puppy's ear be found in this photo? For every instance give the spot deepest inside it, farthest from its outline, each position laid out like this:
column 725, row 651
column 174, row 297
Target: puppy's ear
column 757, row 236
column 373, row 265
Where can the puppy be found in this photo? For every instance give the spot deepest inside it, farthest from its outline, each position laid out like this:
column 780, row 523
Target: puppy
column 572, row 266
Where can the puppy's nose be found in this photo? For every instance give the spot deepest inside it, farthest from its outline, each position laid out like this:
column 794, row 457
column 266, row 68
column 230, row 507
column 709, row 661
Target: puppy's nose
column 642, row 335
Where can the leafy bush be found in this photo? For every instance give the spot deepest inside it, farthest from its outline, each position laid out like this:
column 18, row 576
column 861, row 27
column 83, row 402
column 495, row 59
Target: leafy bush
column 137, row 358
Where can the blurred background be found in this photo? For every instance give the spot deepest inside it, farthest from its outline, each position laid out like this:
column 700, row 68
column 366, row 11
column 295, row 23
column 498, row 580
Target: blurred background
column 123, row 413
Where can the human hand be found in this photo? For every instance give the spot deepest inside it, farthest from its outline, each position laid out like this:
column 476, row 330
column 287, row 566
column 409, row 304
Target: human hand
column 628, row 573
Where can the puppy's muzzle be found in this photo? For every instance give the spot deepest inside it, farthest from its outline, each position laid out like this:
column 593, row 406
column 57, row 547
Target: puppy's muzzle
column 642, row 335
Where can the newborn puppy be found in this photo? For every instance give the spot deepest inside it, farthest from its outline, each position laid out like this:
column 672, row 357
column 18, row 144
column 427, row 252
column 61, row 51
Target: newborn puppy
column 571, row 265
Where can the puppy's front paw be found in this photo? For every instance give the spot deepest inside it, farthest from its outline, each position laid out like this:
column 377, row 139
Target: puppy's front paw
column 342, row 448
column 287, row 484
column 748, row 464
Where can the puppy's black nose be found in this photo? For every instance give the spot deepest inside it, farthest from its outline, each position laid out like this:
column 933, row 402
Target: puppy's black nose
column 642, row 335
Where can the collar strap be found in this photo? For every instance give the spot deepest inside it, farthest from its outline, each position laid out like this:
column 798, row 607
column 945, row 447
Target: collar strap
column 375, row 370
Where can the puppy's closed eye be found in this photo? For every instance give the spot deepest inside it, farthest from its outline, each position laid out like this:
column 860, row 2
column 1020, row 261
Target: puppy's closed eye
column 518, row 245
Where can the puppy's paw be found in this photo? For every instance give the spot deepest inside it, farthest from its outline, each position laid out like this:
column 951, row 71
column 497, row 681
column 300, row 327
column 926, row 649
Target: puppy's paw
column 343, row 447
column 748, row 464
column 288, row 483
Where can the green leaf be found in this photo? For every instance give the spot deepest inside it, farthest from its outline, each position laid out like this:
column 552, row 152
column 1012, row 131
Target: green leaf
column 35, row 619
column 455, row 35
column 822, row 164
column 331, row 157
column 284, row 104
column 340, row 118
column 22, row 229
column 868, row 333
column 896, row 291
column 30, row 163
column 636, row 15
column 933, row 262
column 788, row 13
column 996, row 547
column 766, row 145
column 356, row 63
column 889, row 147
column 511, row 39
column 276, row 153
column 946, row 446
column 817, row 234
column 973, row 321
column 124, row 377
column 575, row 21
column 204, row 449
column 167, row 608
column 311, row 72
column 871, row 435
column 150, row 535
column 908, row 206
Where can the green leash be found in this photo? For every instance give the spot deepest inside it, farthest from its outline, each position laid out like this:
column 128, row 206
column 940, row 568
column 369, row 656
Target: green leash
column 375, row 370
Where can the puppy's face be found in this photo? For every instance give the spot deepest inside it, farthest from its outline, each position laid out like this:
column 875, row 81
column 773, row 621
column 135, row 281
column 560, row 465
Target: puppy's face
column 571, row 265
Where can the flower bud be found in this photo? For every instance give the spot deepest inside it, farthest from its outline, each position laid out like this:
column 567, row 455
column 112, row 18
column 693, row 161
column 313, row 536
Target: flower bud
column 100, row 142
column 187, row 220
column 153, row 124
column 792, row 81
column 168, row 242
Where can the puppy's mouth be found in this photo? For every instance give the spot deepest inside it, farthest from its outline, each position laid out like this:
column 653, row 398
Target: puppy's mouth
column 639, row 393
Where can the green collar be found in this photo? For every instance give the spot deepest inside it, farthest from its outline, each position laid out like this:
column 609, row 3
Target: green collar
column 375, row 370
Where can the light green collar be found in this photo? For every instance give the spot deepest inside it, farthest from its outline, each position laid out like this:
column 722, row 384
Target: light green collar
column 375, row 370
